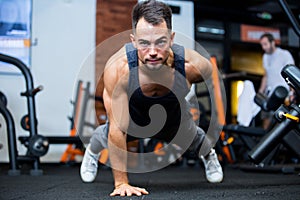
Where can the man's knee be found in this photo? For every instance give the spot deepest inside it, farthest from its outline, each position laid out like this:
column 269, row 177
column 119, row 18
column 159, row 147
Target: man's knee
column 99, row 137
column 198, row 140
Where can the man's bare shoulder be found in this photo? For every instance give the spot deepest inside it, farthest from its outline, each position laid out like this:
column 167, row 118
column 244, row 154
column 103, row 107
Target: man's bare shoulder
column 117, row 63
column 197, row 65
column 116, row 70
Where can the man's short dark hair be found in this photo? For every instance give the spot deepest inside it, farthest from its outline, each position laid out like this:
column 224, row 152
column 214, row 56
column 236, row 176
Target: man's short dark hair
column 269, row 36
column 154, row 12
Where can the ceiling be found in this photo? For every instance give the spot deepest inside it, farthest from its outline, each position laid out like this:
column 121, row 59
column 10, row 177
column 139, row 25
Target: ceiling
column 247, row 11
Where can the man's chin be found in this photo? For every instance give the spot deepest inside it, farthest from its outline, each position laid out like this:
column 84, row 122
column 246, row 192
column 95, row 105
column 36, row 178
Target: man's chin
column 153, row 67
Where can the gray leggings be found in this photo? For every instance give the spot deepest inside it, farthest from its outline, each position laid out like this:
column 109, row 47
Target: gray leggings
column 189, row 134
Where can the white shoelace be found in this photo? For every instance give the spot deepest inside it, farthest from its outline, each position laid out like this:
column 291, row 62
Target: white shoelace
column 92, row 164
column 212, row 166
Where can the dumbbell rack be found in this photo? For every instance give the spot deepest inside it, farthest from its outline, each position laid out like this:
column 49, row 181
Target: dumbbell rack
column 77, row 140
column 29, row 94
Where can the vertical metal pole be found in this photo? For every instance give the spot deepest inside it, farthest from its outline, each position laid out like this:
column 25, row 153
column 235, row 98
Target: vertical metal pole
column 290, row 15
column 11, row 137
column 86, row 96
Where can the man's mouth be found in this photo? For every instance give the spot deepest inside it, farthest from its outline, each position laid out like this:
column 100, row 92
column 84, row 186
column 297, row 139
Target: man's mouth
column 153, row 61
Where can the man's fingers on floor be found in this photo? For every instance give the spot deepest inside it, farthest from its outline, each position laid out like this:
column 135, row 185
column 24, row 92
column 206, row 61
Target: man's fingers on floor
column 129, row 192
column 143, row 190
column 123, row 193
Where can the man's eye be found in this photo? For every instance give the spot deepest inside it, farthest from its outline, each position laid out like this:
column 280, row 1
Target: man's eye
column 144, row 43
column 161, row 43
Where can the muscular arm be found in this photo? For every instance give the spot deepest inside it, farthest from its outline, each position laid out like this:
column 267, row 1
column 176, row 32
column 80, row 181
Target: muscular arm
column 197, row 67
column 116, row 138
column 116, row 105
column 115, row 99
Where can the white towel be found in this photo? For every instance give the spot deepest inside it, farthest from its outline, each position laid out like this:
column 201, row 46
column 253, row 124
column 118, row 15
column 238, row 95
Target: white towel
column 247, row 108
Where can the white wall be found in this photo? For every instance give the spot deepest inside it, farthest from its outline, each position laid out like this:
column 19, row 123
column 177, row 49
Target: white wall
column 65, row 33
column 183, row 23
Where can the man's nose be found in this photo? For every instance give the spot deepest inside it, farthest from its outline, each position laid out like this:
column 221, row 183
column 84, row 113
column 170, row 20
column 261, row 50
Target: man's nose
column 152, row 51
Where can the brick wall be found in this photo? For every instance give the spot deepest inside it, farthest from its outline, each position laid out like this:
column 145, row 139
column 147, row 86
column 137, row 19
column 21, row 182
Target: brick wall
column 113, row 17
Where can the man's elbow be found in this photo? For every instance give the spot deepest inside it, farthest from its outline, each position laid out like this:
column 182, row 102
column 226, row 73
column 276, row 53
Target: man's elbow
column 206, row 72
column 209, row 69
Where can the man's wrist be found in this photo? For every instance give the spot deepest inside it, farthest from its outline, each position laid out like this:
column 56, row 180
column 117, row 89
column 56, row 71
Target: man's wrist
column 119, row 184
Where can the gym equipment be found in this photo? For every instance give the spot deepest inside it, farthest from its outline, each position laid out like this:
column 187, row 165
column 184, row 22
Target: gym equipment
column 25, row 124
column 3, row 99
column 36, row 144
column 74, row 141
column 78, row 123
column 246, row 138
column 290, row 139
column 287, row 118
column 29, row 94
column 224, row 143
column 274, row 101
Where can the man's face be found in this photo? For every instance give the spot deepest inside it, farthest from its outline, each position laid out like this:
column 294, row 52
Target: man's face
column 153, row 43
column 267, row 46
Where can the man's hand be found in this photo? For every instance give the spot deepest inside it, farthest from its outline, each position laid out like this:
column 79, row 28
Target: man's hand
column 128, row 190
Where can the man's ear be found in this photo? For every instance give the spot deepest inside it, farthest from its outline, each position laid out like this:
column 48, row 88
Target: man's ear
column 132, row 38
column 172, row 38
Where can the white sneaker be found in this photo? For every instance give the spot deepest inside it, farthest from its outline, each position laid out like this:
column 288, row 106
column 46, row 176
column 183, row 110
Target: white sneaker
column 89, row 166
column 213, row 169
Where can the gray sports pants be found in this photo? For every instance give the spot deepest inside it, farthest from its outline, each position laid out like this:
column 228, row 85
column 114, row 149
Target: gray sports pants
column 189, row 136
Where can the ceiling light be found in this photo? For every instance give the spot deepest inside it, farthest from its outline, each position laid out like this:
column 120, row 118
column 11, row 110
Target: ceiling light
column 217, row 31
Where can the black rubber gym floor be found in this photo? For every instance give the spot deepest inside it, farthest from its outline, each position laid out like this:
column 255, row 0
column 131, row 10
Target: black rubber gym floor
column 183, row 182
